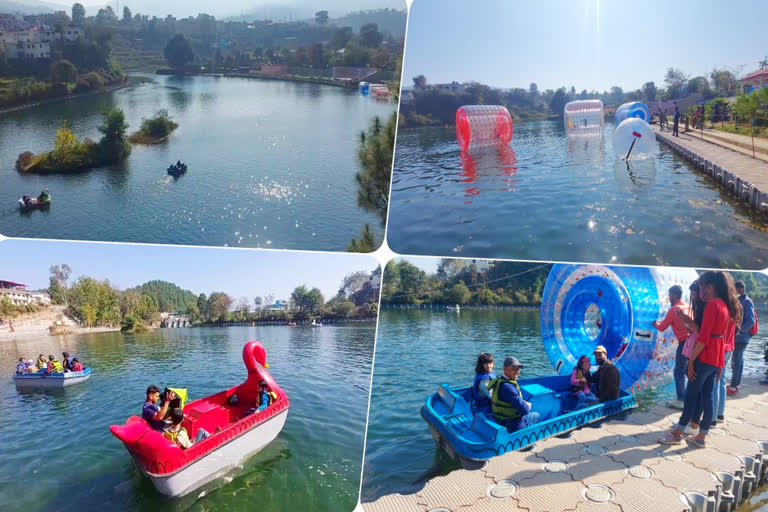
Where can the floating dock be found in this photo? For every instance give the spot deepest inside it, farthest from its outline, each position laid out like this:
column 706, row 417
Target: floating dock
column 738, row 173
column 618, row 466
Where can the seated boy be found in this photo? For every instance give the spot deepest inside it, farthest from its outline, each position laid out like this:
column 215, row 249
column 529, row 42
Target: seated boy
column 178, row 434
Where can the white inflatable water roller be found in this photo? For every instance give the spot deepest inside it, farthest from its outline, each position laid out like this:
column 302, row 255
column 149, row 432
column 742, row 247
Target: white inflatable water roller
column 636, row 109
column 634, row 139
column 482, row 126
column 584, row 117
column 584, row 306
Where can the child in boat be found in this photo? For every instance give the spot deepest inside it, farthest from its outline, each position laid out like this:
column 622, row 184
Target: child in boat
column 580, row 383
column 481, row 397
column 41, row 362
column 22, row 366
column 66, row 361
column 76, row 365
column 178, row 434
column 54, row 366
column 265, row 396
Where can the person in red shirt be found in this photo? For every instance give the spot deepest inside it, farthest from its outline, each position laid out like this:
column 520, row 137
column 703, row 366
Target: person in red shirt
column 681, row 332
column 706, row 364
column 77, row 366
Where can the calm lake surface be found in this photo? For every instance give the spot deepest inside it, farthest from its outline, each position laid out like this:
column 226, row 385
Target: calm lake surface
column 416, row 351
column 545, row 197
column 271, row 164
column 58, row 453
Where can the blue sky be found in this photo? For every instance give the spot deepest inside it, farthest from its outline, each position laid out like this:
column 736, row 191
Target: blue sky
column 239, row 273
column 590, row 44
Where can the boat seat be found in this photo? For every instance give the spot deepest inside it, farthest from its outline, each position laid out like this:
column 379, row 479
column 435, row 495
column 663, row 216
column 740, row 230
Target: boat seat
column 483, row 428
column 205, row 415
column 453, row 402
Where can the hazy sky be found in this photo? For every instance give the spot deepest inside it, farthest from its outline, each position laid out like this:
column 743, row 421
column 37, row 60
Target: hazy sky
column 248, row 273
column 182, row 8
column 590, row 44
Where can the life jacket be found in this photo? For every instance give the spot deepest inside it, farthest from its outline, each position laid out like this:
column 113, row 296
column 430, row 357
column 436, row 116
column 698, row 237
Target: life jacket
column 171, row 436
column 503, row 410
column 272, row 396
column 57, row 367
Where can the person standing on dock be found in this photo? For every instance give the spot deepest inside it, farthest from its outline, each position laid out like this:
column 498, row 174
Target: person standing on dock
column 676, row 121
column 509, row 408
column 681, row 332
column 743, row 335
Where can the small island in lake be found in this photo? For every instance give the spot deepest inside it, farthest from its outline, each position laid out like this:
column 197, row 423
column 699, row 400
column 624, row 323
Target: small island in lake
column 154, row 130
column 70, row 155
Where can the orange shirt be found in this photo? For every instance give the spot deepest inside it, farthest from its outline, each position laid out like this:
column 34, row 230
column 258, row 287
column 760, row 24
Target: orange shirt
column 678, row 328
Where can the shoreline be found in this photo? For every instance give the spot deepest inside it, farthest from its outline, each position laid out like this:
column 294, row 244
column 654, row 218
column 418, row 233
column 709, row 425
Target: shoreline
column 348, row 84
column 36, row 333
column 59, row 99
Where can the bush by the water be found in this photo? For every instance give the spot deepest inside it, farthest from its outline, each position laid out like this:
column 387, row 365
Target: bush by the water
column 155, row 128
column 70, row 154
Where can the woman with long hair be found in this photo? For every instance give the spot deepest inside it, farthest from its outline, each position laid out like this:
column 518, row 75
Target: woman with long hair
column 705, row 366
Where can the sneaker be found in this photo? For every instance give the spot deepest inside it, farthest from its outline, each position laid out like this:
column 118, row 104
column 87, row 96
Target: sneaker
column 701, row 443
column 675, row 404
column 731, row 391
column 690, row 431
column 721, row 418
column 670, row 438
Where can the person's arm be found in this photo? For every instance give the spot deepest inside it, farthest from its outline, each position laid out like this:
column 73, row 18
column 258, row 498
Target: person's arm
column 748, row 315
column 160, row 415
column 664, row 324
column 687, row 320
column 482, row 388
column 515, row 399
column 575, row 381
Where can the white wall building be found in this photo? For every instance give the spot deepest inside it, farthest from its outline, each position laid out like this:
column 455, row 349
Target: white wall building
column 19, row 296
column 35, row 43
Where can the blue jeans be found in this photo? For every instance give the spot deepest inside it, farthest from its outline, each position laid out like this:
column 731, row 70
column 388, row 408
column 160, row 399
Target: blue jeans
column 585, row 400
column 526, row 421
column 720, row 393
column 201, row 434
column 738, row 364
column 699, row 396
column 681, row 367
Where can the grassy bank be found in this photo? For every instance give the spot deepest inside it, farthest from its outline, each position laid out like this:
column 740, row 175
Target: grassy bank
column 154, row 130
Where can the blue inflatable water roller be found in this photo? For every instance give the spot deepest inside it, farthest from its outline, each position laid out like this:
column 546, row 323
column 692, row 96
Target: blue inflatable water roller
column 636, row 109
column 588, row 305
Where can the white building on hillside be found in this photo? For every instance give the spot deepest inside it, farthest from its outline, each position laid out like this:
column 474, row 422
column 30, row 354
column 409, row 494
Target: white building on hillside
column 35, row 43
column 19, row 296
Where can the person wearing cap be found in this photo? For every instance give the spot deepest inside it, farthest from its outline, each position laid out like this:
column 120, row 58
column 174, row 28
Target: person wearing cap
column 509, row 408
column 681, row 332
column 606, row 379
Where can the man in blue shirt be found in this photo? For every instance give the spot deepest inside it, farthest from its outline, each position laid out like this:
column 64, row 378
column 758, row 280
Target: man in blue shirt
column 509, row 408
column 675, row 121
column 742, row 336
column 152, row 413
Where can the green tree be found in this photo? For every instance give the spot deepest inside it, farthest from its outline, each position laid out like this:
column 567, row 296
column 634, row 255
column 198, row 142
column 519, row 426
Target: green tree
column 78, row 14
column 307, row 301
column 178, row 52
column 533, row 90
column 370, row 37
column 375, row 157
column 202, row 305
column 366, row 242
column 649, row 91
column 114, row 145
column 193, row 311
column 63, row 71
column 459, row 293
column 676, row 80
column 558, row 101
column 321, row 17
column 218, row 306
column 68, row 153
column 724, row 82
column 57, row 283
column 127, row 17
column 420, row 82
column 341, row 37
column 94, row 303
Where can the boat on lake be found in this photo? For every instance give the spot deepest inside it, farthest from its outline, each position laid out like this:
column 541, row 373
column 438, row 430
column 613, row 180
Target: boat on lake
column 41, row 201
column 177, row 170
column 45, row 380
column 238, row 431
column 454, row 308
column 473, row 438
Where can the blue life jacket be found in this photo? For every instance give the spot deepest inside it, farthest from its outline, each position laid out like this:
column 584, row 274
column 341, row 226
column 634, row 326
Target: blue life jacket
column 478, row 398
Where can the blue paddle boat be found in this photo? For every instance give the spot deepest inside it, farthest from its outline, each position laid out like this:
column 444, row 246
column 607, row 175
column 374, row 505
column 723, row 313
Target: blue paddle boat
column 473, row 438
column 44, row 380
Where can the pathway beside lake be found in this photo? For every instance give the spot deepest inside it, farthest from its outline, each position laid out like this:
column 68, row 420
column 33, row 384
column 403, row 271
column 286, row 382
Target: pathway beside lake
column 618, row 466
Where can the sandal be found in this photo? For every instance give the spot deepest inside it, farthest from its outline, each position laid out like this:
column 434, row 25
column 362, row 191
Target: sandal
column 701, row 443
column 671, row 438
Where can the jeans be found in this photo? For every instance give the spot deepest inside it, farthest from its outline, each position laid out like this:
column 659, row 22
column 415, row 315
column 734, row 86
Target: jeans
column 681, row 367
column 720, row 393
column 201, row 434
column 738, row 364
column 699, row 395
column 585, row 400
column 526, row 421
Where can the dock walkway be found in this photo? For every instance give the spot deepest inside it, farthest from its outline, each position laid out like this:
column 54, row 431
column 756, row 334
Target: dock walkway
column 617, row 467
column 740, row 174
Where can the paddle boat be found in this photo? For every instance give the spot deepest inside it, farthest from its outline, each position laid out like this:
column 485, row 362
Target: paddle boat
column 237, row 431
column 453, row 308
column 473, row 438
column 45, row 380
column 177, row 169
column 43, row 200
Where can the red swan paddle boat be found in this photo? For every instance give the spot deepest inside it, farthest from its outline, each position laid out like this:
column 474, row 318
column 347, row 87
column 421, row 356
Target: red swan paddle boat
column 235, row 435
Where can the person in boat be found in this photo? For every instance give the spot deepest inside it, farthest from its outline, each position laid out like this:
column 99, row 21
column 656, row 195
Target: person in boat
column 606, row 379
column 266, row 397
column 151, row 412
column 681, row 332
column 481, row 397
column 31, row 368
column 580, row 383
column 178, row 434
column 77, row 366
column 66, row 361
column 26, row 200
column 41, row 362
column 509, row 408
column 21, row 368
column 54, row 365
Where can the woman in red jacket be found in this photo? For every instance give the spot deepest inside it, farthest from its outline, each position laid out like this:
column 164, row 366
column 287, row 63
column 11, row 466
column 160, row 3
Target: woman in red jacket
column 706, row 364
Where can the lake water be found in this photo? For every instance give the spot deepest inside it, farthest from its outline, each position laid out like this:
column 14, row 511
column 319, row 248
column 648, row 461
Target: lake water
column 545, row 197
column 58, row 452
column 271, row 164
column 416, row 351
